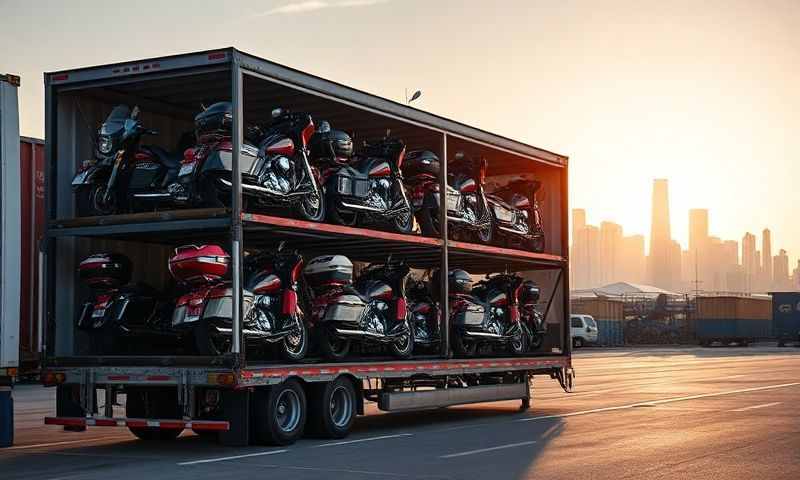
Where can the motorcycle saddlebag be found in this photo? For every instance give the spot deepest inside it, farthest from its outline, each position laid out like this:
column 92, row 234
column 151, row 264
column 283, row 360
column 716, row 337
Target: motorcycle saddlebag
column 199, row 264
column 322, row 143
column 421, row 162
column 471, row 316
column 105, row 270
column 329, row 270
column 345, row 308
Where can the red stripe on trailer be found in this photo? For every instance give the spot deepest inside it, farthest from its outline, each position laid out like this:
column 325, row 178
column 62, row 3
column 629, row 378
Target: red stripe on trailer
column 158, row 378
column 212, row 425
column 117, row 378
column 476, row 247
column 339, row 229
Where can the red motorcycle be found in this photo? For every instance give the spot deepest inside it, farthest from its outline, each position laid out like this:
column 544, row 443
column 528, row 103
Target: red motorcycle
column 373, row 311
column 517, row 216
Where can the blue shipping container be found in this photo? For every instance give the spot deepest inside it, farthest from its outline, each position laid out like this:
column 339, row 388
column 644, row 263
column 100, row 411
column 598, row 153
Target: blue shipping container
column 732, row 329
column 786, row 315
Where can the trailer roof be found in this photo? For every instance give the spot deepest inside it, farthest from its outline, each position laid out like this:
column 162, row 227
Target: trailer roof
column 174, row 65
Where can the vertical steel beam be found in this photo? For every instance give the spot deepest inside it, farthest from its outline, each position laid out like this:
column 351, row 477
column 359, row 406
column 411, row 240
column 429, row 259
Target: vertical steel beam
column 237, row 99
column 48, row 247
column 565, row 265
column 445, row 263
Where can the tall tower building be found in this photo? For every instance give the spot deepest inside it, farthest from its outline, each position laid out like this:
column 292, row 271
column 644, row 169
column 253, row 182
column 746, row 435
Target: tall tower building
column 699, row 255
column 578, row 253
column 749, row 261
column 780, row 269
column 766, row 252
column 660, row 271
column 611, row 258
column 578, row 222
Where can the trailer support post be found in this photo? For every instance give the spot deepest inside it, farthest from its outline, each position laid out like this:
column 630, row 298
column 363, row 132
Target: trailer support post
column 236, row 202
column 444, row 269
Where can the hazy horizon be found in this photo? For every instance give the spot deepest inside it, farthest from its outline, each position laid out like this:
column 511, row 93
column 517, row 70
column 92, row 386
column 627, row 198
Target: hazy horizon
column 702, row 94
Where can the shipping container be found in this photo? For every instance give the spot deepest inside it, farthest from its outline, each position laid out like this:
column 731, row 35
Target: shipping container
column 609, row 315
column 170, row 91
column 786, row 317
column 32, row 229
column 732, row 319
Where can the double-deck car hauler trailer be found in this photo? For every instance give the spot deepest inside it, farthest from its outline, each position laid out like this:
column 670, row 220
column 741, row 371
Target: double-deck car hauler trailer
column 233, row 394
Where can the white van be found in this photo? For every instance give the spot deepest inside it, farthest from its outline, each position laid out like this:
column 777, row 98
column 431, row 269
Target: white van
column 584, row 330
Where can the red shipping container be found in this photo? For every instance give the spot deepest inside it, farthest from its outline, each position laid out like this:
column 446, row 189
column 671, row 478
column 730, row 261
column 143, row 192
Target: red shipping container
column 32, row 229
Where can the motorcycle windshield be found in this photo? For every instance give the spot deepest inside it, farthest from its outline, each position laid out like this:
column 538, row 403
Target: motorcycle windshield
column 115, row 121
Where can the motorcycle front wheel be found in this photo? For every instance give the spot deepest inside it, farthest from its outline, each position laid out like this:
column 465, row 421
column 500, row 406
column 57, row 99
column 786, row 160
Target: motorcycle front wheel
column 90, row 202
column 295, row 345
column 519, row 344
column 404, row 346
column 429, row 222
column 404, row 223
column 333, row 347
column 312, row 208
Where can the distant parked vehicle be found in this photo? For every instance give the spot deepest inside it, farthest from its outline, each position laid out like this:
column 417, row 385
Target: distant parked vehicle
column 583, row 329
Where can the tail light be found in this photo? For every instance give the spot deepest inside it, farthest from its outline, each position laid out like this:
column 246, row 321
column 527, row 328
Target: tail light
column 289, row 302
column 188, row 155
column 400, row 312
column 52, row 378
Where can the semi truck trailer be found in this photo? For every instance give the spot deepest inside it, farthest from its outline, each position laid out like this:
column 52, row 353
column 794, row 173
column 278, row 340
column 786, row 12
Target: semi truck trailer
column 236, row 396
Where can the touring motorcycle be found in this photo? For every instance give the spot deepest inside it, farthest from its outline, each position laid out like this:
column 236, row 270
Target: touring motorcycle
column 486, row 314
column 468, row 211
column 120, row 314
column 124, row 175
column 366, row 188
column 271, row 309
column 372, row 311
column 517, row 216
column 424, row 311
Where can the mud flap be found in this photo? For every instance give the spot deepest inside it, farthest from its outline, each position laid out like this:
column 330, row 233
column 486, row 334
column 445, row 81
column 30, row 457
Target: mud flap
column 236, row 411
column 68, row 404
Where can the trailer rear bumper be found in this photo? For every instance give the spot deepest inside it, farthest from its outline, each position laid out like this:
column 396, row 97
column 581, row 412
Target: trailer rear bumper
column 165, row 424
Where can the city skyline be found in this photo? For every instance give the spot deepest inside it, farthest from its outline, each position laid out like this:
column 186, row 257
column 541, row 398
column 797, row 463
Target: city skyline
column 607, row 254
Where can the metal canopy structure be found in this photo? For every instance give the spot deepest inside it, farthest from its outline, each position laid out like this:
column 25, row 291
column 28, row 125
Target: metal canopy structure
column 175, row 87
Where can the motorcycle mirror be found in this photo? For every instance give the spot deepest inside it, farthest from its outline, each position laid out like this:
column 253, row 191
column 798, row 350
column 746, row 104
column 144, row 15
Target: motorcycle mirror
column 324, row 127
column 276, row 112
column 280, row 245
column 135, row 112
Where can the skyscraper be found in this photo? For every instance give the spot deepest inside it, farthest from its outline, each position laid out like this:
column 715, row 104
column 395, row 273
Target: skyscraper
column 749, row 261
column 699, row 255
column 766, row 252
column 610, row 252
column 659, row 263
column 579, row 252
column 633, row 259
column 780, row 269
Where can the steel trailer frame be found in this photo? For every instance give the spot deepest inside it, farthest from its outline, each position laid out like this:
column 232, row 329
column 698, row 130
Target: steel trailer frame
column 233, row 371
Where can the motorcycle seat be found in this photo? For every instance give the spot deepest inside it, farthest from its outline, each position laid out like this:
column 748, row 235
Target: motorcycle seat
column 169, row 159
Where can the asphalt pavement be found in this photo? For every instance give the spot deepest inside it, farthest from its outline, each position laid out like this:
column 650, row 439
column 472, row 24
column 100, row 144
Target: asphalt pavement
column 710, row 413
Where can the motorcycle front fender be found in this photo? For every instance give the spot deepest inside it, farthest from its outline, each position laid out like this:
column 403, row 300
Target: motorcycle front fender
column 92, row 175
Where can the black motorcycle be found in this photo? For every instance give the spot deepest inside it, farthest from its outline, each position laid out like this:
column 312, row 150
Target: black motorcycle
column 517, row 216
column 468, row 212
column 121, row 317
column 486, row 314
column 124, row 175
column 282, row 174
column 531, row 318
column 365, row 189
column 373, row 311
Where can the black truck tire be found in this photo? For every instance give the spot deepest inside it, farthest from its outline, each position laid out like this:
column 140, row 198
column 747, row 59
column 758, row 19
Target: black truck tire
column 280, row 413
column 332, row 408
column 152, row 403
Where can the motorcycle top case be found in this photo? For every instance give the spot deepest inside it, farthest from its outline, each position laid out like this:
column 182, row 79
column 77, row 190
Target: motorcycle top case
column 194, row 264
column 105, row 270
column 420, row 162
column 216, row 119
column 329, row 269
column 322, row 143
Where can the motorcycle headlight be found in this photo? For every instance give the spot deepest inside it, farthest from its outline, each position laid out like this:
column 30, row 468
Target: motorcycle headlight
column 104, row 145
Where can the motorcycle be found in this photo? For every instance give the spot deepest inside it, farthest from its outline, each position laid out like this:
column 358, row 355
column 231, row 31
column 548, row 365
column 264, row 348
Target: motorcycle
column 486, row 314
column 276, row 173
column 367, row 188
column 531, row 318
column 425, row 316
column 119, row 313
column 271, row 309
column 124, row 175
column 517, row 216
column 372, row 311
column 468, row 211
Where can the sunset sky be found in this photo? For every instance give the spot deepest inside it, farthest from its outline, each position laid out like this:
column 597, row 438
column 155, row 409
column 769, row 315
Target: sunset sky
column 706, row 94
